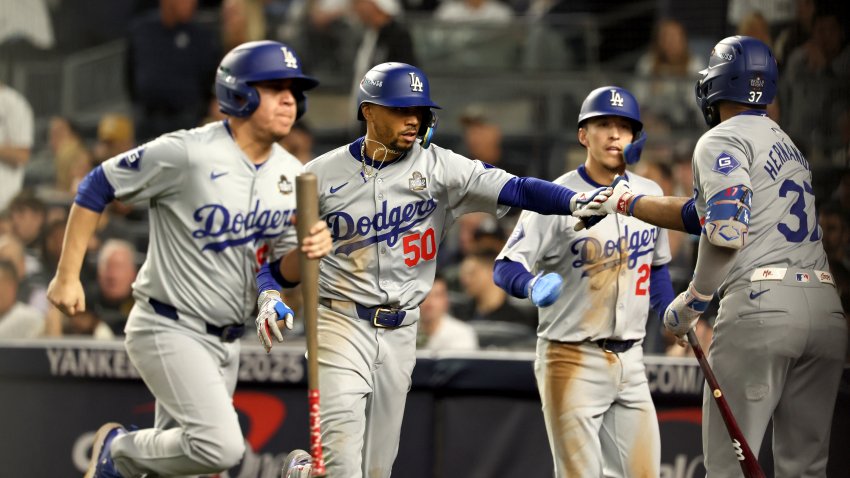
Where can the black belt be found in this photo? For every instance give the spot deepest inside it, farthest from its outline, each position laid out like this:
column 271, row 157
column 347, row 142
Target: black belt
column 381, row 316
column 228, row 333
column 615, row 346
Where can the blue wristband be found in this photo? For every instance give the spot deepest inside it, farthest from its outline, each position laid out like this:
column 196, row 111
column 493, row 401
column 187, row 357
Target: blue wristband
column 632, row 204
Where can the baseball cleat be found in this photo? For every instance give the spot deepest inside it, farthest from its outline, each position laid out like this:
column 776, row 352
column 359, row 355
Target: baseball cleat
column 101, row 464
column 297, row 464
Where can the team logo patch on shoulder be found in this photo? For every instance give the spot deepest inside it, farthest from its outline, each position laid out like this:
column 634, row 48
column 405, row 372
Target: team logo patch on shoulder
column 418, row 182
column 725, row 164
column 285, row 185
column 132, row 159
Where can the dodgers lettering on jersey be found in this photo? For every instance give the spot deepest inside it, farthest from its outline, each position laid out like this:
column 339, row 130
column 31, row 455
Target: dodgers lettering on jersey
column 383, row 226
column 751, row 150
column 605, row 268
column 214, row 216
column 387, row 226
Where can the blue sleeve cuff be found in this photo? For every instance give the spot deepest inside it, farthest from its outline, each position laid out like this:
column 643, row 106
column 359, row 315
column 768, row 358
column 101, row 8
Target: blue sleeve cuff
column 536, row 195
column 278, row 277
column 94, row 191
column 265, row 281
column 690, row 218
column 660, row 289
column 512, row 277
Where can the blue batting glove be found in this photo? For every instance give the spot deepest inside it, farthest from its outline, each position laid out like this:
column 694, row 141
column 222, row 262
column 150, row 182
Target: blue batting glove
column 544, row 290
column 631, row 153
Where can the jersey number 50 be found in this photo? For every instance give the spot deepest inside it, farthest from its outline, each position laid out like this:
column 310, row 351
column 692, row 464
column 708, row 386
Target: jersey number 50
column 422, row 246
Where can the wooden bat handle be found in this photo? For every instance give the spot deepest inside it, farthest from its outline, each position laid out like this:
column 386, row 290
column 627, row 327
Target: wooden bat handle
column 307, row 198
column 749, row 463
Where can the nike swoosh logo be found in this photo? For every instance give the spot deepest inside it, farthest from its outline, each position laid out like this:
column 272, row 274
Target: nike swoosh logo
column 214, row 175
column 754, row 295
column 335, row 189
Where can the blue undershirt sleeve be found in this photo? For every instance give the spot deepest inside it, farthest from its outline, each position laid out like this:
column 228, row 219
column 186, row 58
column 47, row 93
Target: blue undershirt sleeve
column 94, row 191
column 512, row 277
column 265, row 281
column 660, row 289
column 536, row 195
column 690, row 218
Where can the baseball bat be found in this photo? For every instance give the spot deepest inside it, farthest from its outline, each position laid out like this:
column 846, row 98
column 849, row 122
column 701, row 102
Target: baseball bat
column 307, row 202
column 749, row 463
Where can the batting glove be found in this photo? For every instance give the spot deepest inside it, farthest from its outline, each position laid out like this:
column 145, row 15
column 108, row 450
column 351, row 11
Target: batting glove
column 589, row 200
column 621, row 201
column 544, row 290
column 271, row 311
column 682, row 314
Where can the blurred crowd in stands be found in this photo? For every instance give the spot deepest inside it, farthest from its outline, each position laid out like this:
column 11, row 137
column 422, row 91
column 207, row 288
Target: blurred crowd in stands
column 172, row 47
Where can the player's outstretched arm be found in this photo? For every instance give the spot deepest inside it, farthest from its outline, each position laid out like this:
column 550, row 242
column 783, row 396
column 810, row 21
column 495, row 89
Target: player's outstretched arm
column 544, row 197
column 666, row 212
column 65, row 291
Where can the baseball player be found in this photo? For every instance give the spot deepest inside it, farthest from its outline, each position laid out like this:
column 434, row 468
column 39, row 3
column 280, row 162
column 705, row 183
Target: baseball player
column 589, row 366
column 780, row 336
column 389, row 201
column 221, row 198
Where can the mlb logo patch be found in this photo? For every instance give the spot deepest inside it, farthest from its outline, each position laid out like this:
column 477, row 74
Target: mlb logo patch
column 802, row 277
column 725, row 164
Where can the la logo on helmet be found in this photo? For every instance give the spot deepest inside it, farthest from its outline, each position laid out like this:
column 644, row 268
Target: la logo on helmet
column 616, row 98
column 289, row 58
column 415, row 82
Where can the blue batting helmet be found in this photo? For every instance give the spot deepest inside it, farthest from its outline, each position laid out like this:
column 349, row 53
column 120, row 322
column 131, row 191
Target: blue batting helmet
column 258, row 61
column 399, row 85
column 611, row 101
column 741, row 69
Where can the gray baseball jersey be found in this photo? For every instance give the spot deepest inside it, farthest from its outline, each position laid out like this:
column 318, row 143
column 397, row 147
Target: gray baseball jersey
column 213, row 217
column 753, row 151
column 605, row 268
column 387, row 228
column 387, row 224
column 596, row 405
column 780, row 336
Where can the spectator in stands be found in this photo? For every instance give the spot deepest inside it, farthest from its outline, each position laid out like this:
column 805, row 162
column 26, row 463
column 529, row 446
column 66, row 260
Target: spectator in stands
column 816, row 93
column 841, row 195
column 116, row 271
column 16, row 139
column 489, row 301
column 439, row 330
column 327, row 31
column 28, row 214
column 17, row 319
column 798, row 32
column 299, row 142
column 30, row 290
column 242, row 21
column 666, row 83
column 836, row 234
column 115, row 135
column 71, row 160
column 482, row 140
column 384, row 38
column 172, row 58
column 755, row 25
